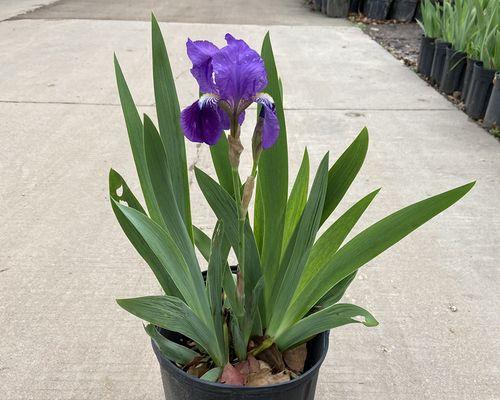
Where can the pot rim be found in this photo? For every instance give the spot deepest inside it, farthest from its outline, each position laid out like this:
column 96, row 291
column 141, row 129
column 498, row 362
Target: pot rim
column 217, row 387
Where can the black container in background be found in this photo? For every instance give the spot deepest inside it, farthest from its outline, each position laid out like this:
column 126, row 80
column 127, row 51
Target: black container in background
column 418, row 11
column 337, row 8
column 453, row 70
column 481, row 85
column 425, row 56
column 324, row 6
column 178, row 385
column 469, row 66
column 438, row 60
column 317, row 5
column 492, row 116
column 377, row 9
column 403, row 10
column 356, row 6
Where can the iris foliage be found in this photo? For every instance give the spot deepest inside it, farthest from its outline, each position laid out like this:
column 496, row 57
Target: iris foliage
column 290, row 279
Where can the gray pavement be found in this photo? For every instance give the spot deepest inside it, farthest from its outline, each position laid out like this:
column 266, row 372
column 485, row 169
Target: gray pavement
column 64, row 258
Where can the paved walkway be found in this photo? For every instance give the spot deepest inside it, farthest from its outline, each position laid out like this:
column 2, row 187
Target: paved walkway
column 64, row 258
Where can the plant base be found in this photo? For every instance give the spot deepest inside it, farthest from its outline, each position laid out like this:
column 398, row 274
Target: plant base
column 177, row 384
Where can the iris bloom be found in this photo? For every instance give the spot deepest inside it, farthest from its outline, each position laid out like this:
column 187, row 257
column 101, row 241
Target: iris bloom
column 230, row 79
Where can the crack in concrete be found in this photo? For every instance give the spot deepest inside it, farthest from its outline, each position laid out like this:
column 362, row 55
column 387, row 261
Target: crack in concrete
column 286, row 108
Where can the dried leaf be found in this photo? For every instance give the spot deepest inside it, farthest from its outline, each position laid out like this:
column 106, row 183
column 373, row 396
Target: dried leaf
column 265, row 377
column 273, row 357
column 198, row 370
column 231, row 376
column 295, row 358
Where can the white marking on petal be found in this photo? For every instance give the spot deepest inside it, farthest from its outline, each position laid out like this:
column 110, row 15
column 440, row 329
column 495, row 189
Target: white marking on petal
column 264, row 98
column 208, row 99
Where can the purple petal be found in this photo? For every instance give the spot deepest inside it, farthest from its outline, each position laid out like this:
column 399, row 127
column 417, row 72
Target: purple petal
column 239, row 71
column 201, row 122
column 200, row 52
column 271, row 128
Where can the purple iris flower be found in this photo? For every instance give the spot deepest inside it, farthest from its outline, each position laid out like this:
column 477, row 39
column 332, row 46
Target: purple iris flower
column 230, row 79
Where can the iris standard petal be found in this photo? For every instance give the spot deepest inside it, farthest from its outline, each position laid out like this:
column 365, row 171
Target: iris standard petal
column 200, row 52
column 201, row 122
column 239, row 71
column 271, row 127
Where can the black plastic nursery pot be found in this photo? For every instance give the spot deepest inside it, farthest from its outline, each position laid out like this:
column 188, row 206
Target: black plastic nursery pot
column 453, row 70
column 438, row 60
column 481, row 85
column 324, row 6
column 425, row 56
column 377, row 9
column 337, row 8
column 179, row 385
column 492, row 116
column 469, row 66
column 356, row 6
column 403, row 10
column 317, row 5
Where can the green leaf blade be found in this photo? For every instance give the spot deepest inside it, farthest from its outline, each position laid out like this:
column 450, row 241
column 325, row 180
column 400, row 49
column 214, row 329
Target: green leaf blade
column 367, row 245
column 168, row 112
column 173, row 351
column 326, row 319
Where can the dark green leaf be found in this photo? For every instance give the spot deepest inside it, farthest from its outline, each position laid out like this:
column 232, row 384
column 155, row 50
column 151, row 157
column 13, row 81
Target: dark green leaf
column 330, row 241
column 171, row 218
column 116, row 182
column 272, row 180
column 174, row 315
column 328, row 318
column 297, row 200
column 298, row 251
column 135, row 135
column 366, row 246
column 173, row 351
column 186, row 275
column 220, row 158
column 212, row 375
column 344, row 171
column 167, row 110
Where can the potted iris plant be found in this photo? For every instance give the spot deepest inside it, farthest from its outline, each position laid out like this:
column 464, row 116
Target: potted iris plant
column 259, row 329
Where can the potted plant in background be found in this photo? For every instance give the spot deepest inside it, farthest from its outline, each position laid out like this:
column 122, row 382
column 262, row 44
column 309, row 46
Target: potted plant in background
column 462, row 15
column 492, row 116
column 486, row 49
column 442, row 43
column 258, row 330
column 431, row 27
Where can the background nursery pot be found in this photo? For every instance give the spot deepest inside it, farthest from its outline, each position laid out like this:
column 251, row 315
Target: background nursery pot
column 426, row 56
column 438, row 60
column 469, row 66
column 377, row 9
column 337, row 8
column 454, row 66
column 178, row 384
column 492, row 116
column 480, row 88
column 403, row 10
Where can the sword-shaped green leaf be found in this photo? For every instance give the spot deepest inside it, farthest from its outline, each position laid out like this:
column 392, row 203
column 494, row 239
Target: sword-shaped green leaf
column 367, row 245
column 168, row 112
column 297, row 252
column 173, row 314
column 326, row 319
column 173, row 351
column 272, row 180
column 116, row 182
column 185, row 275
column 343, row 172
column 297, row 200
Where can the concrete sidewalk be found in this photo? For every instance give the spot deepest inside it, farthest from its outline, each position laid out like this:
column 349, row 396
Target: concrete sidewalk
column 64, row 258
